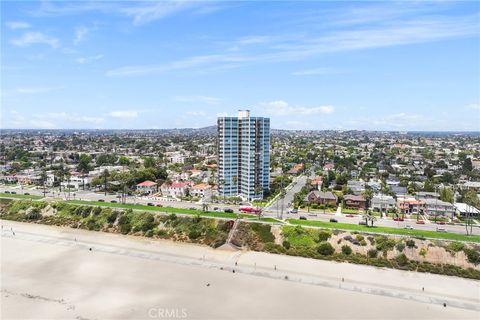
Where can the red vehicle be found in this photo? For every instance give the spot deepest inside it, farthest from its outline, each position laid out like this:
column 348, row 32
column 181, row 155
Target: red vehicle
column 349, row 216
column 420, row 222
column 250, row 210
column 397, row 219
column 440, row 222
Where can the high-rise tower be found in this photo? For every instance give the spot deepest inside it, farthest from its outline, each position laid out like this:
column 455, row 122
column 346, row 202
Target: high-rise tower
column 243, row 155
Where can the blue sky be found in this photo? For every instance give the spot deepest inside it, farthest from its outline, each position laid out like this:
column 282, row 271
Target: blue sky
column 307, row 65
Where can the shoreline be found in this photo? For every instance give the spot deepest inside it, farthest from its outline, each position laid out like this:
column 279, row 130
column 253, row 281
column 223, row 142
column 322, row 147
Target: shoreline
column 460, row 295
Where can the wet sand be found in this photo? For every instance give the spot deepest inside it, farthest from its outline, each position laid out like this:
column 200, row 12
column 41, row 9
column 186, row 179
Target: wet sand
column 50, row 273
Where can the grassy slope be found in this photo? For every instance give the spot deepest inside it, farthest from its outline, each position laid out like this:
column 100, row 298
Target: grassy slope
column 19, row 196
column 387, row 230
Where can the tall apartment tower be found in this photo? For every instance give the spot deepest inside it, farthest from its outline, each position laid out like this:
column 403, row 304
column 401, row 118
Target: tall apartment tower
column 243, row 155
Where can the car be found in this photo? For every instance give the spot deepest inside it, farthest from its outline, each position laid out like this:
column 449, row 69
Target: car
column 13, row 192
column 333, row 220
column 349, row 216
column 397, row 219
column 159, row 205
column 113, row 201
column 150, row 204
column 303, row 218
column 440, row 222
column 7, row 191
column 192, row 208
column 101, row 200
column 294, row 210
column 420, row 222
column 441, row 230
column 408, row 227
column 228, row 210
column 215, row 209
column 362, row 223
column 26, row 193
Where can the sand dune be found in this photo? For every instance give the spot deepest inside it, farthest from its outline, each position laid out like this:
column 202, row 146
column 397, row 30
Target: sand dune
column 50, row 273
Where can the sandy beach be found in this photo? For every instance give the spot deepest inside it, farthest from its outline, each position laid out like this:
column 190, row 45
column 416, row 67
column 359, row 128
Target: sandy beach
column 51, row 273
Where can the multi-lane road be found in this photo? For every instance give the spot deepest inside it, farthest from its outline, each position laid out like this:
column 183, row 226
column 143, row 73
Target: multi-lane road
column 273, row 210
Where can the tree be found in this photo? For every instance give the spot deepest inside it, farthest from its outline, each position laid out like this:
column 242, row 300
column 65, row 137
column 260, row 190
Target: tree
column 368, row 194
column 105, row 176
column 467, row 165
column 369, row 217
column 84, row 166
column 446, row 194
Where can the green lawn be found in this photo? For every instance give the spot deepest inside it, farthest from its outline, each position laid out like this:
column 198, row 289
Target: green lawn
column 349, row 211
column 160, row 209
column 19, row 196
column 387, row 230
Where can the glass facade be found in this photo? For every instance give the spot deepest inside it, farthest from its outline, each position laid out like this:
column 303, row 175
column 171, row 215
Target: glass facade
column 243, row 156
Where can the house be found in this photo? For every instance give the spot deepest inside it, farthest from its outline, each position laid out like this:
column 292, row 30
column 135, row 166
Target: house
column 398, row 190
column 319, row 197
column 328, row 167
column 317, row 182
column 435, row 207
column 421, row 195
column 175, row 189
column 296, row 169
column 201, row 190
column 351, row 201
column 76, row 182
column 382, row 203
column 409, row 205
column 147, row 187
column 463, row 210
column 357, row 187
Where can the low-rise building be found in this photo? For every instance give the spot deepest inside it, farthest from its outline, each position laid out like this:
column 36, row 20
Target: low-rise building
column 201, row 190
column 466, row 210
column 409, row 205
column 319, row 197
column 175, row 189
column 351, row 201
column 435, row 207
column 147, row 187
column 382, row 203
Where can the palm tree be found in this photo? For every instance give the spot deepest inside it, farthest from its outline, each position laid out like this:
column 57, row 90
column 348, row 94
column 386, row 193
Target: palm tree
column 369, row 217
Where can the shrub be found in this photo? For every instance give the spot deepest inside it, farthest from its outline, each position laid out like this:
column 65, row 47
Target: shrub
column 33, row 214
column 263, row 231
column 423, row 252
column 324, row 235
column 325, row 249
column 402, row 260
column 124, row 224
column 359, row 237
column 286, row 244
column 96, row 211
column 473, row 256
column 363, row 242
column 149, row 233
column 400, row 246
column 112, row 217
column 371, row 240
column 410, row 243
column 346, row 250
column 455, row 246
column 194, row 234
column 372, row 253
column 384, row 243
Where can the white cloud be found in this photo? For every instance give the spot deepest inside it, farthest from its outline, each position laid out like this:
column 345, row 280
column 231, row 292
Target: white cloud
column 315, row 72
column 81, row 33
column 473, row 106
column 35, row 90
column 52, row 120
column 198, row 99
column 14, row 25
column 29, row 38
column 196, row 113
column 83, row 60
column 152, row 11
column 124, row 114
column 282, row 108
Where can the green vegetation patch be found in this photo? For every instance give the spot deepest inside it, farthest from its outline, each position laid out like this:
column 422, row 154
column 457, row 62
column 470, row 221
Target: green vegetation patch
column 387, row 230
